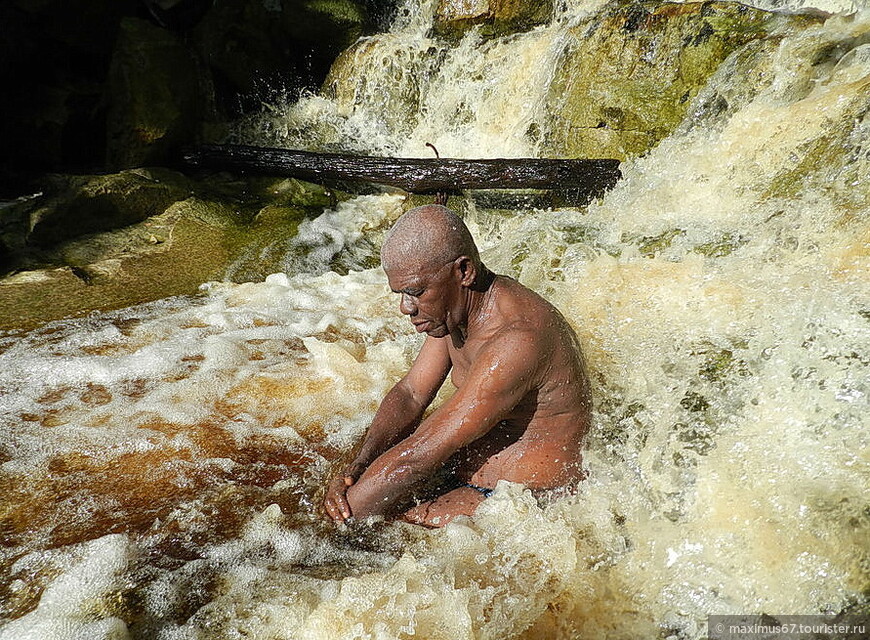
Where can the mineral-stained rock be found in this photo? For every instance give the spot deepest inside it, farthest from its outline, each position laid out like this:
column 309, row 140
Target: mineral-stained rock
column 495, row 17
column 630, row 72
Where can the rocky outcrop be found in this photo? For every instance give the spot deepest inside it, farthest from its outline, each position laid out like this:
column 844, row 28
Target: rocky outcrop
column 128, row 81
column 629, row 74
column 493, row 17
column 162, row 235
column 260, row 45
column 161, row 96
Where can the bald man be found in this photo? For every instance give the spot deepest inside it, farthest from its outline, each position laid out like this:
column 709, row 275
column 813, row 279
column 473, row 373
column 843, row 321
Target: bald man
column 522, row 404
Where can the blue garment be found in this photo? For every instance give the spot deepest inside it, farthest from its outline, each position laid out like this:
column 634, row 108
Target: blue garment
column 483, row 490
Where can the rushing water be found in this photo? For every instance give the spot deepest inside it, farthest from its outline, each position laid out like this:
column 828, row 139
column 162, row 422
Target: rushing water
column 161, row 465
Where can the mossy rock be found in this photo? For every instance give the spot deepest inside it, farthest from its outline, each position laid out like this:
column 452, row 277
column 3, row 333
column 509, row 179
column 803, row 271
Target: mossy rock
column 453, row 18
column 192, row 242
column 80, row 205
column 628, row 76
column 173, row 257
column 153, row 234
column 291, row 192
column 836, row 160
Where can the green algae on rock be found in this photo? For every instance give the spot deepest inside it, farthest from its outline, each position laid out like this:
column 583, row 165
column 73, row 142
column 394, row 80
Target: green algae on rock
column 454, row 18
column 628, row 76
column 105, row 242
column 79, row 205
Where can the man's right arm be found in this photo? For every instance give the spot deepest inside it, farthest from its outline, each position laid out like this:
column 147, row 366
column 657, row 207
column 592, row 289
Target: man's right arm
column 398, row 416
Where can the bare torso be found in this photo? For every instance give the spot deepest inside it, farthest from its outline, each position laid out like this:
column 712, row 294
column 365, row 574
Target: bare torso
column 538, row 444
column 520, row 411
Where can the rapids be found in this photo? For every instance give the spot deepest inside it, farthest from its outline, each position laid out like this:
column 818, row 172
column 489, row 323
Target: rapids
column 161, row 465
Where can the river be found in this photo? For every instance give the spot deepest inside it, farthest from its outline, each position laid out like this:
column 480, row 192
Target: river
column 161, row 464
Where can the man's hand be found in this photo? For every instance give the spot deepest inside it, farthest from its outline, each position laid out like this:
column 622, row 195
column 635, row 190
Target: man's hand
column 335, row 501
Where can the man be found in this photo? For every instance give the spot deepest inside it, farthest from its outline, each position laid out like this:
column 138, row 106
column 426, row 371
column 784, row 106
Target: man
column 522, row 404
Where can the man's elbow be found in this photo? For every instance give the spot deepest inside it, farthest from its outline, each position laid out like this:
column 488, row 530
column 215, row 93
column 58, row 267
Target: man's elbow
column 408, row 398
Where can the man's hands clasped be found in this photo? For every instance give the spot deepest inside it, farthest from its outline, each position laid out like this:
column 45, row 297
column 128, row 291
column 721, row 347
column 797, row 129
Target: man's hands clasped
column 335, row 502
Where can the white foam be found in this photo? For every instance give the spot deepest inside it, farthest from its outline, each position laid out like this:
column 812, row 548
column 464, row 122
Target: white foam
column 74, row 606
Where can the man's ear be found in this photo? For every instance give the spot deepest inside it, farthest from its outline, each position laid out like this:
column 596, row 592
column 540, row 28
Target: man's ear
column 466, row 270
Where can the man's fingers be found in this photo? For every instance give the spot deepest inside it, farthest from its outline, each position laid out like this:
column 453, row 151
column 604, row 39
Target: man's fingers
column 343, row 507
column 337, row 508
column 348, row 481
column 332, row 509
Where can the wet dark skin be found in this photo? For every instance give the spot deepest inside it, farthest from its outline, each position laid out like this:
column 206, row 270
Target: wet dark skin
column 520, row 411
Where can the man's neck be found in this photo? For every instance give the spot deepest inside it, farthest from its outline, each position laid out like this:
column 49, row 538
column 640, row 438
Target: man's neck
column 479, row 299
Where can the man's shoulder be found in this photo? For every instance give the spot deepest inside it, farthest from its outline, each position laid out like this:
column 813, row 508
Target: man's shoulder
column 523, row 308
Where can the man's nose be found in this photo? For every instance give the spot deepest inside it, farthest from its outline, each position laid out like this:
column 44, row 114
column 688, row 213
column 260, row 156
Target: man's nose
column 407, row 305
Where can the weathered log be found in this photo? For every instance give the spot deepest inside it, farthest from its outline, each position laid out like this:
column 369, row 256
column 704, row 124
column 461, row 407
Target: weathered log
column 417, row 175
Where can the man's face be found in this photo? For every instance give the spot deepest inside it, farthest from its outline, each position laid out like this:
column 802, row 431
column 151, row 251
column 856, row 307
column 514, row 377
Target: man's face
column 428, row 296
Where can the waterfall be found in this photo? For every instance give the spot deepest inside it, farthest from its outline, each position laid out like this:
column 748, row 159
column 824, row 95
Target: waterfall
column 163, row 462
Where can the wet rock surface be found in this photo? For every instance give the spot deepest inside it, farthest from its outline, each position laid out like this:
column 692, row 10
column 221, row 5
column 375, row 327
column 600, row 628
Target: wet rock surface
column 104, row 242
column 629, row 76
column 454, row 18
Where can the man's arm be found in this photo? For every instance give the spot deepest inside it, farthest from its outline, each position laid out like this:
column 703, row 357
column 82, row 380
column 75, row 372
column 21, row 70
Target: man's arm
column 496, row 382
column 398, row 415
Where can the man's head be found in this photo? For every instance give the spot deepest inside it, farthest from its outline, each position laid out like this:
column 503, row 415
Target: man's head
column 431, row 260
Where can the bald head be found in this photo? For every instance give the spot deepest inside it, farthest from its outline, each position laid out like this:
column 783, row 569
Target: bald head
column 431, row 235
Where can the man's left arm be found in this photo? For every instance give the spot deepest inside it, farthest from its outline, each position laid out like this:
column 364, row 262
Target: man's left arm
column 503, row 373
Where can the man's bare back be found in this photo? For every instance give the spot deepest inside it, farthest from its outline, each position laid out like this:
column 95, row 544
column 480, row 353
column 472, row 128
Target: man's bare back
column 522, row 403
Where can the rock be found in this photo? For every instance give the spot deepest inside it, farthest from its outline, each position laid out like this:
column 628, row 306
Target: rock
column 80, row 205
column 494, row 17
column 290, row 192
column 630, row 73
column 55, row 57
column 192, row 242
column 122, row 268
column 161, row 235
column 159, row 97
column 92, row 85
column 254, row 45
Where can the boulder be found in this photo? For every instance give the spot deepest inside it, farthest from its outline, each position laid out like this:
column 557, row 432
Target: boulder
column 171, row 254
column 629, row 74
column 80, row 205
column 453, row 18
column 158, row 234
